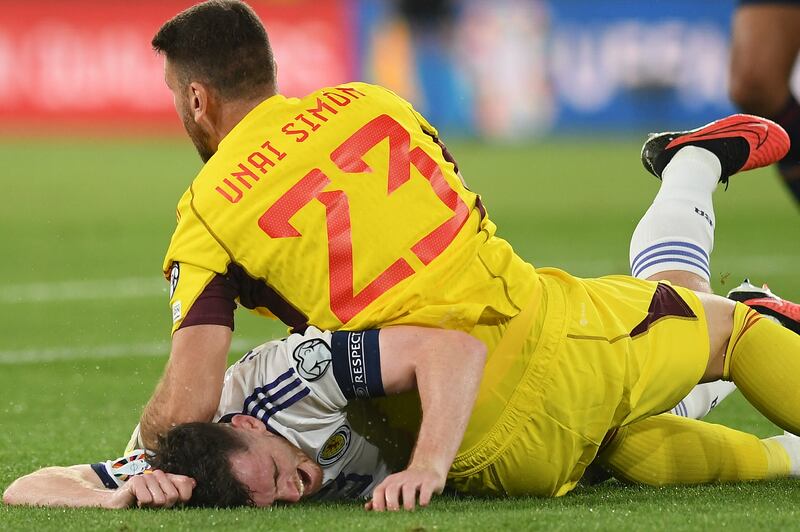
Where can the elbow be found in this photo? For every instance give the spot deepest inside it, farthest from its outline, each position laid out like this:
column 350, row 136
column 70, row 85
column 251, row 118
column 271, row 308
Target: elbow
column 12, row 496
column 9, row 498
column 474, row 349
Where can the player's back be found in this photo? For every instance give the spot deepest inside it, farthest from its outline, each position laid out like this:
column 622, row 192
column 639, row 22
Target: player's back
column 341, row 210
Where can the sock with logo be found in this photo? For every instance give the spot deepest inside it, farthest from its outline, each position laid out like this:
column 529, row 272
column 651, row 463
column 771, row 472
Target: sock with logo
column 677, row 231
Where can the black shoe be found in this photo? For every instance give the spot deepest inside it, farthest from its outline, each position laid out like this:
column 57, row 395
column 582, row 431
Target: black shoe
column 740, row 142
column 763, row 301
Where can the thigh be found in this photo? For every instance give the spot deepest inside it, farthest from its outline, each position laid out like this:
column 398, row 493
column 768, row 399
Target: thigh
column 646, row 342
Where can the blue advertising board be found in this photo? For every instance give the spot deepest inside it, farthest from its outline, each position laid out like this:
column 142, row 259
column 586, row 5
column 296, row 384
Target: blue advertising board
column 515, row 68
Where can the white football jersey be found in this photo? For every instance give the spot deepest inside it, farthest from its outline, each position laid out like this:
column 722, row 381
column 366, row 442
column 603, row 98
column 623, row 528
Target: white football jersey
column 296, row 387
column 299, row 387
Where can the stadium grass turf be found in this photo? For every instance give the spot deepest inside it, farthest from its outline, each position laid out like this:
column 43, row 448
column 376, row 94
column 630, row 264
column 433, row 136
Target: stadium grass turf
column 84, row 319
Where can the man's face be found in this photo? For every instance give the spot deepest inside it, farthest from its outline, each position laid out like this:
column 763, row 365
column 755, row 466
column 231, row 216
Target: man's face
column 182, row 98
column 271, row 468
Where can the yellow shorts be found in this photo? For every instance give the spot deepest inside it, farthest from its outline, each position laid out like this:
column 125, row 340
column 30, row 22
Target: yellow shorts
column 584, row 357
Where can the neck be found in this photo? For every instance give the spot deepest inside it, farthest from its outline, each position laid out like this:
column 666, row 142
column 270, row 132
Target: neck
column 233, row 113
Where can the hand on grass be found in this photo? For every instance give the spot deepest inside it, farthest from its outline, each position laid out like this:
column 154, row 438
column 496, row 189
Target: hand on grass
column 153, row 490
column 406, row 487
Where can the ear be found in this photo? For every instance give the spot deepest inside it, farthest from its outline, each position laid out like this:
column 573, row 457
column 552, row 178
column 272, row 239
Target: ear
column 200, row 100
column 245, row 422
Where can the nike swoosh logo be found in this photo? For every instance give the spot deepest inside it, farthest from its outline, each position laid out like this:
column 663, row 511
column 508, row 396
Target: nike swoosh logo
column 753, row 129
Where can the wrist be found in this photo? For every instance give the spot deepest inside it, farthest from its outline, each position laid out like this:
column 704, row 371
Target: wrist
column 434, row 465
column 110, row 499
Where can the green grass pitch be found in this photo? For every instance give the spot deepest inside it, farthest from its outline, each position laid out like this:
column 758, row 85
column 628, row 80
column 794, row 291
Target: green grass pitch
column 84, row 319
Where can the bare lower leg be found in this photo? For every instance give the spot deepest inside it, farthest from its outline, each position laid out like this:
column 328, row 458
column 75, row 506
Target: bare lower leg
column 685, row 279
column 719, row 319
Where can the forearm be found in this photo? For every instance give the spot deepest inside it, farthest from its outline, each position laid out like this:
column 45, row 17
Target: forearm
column 57, row 486
column 192, row 383
column 447, row 381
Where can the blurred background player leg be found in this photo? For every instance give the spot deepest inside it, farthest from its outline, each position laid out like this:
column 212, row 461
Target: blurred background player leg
column 766, row 42
column 673, row 242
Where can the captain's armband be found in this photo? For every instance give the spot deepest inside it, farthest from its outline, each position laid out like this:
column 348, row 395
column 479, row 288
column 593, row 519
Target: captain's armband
column 356, row 359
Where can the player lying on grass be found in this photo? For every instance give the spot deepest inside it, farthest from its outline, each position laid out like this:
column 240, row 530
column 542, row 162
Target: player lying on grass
column 293, row 438
column 282, row 432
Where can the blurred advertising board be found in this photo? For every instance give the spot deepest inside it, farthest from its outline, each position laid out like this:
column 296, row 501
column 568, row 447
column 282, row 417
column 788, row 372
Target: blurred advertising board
column 515, row 68
column 80, row 64
column 503, row 69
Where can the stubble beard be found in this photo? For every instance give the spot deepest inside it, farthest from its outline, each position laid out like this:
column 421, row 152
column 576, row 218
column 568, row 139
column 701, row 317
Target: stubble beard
column 199, row 137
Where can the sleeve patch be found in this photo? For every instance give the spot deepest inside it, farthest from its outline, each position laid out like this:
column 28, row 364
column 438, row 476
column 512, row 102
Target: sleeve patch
column 357, row 363
column 312, row 359
column 115, row 473
column 177, row 311
column 174, row 275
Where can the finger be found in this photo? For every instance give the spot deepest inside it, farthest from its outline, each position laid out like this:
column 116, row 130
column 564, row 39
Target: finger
column 409, row 496
column 368, row 506
column 378, row 499
column 171, row 494
column 393, row 497
column 143, row 495
column 425, row 494
column 184, row 485
column 157, row 494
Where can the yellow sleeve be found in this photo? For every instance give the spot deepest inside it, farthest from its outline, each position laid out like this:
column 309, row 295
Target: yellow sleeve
column 193, row 259
column 186, row 284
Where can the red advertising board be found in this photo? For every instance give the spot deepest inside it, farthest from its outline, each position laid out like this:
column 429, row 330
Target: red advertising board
column 88, row 63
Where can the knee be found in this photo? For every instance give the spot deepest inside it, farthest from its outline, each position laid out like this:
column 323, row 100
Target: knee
column 719, row 320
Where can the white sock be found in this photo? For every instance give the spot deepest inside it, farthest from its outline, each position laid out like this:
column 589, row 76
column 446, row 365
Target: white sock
column 792, row 446
column 702, row 399
column 677, row 231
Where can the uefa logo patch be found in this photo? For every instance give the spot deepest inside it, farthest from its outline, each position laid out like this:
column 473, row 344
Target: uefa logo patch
column 313, row 358
column 335, row 447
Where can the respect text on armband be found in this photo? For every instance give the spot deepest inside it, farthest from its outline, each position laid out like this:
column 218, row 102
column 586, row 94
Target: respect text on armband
column 355, row 351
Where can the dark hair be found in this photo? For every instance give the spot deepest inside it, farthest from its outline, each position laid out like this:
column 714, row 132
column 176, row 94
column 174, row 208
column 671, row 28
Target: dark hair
column 221, row 43
column 202, row 451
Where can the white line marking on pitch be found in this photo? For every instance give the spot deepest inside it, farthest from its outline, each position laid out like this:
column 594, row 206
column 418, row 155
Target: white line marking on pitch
column 150, row 349
column 43, row 292
column 757, row 266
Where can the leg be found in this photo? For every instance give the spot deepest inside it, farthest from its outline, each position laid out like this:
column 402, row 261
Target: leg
column 667, row 449
column 675, row 237
column 759, row 356
column 765, row 47
column 764, row 50
column 673, row 242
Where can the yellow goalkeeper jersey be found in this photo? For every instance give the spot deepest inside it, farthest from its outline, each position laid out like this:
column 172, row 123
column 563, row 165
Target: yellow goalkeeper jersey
column 341, row 210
